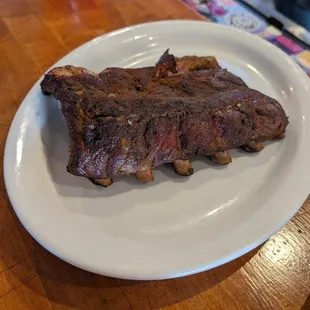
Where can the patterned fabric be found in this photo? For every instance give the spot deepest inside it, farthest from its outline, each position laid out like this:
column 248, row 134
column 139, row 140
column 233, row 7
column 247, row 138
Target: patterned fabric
column 231, row 13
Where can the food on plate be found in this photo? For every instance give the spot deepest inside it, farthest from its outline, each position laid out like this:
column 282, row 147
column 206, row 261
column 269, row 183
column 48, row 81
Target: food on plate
column 129, row 121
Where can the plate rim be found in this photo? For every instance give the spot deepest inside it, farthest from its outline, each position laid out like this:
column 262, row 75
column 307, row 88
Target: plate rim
column 9, row 177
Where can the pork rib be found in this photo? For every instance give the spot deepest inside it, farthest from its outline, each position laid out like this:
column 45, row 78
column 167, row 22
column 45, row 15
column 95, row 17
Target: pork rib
column 129, row 121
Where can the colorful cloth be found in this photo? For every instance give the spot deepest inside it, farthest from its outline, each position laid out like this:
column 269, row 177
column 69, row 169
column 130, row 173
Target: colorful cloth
column 231, row 13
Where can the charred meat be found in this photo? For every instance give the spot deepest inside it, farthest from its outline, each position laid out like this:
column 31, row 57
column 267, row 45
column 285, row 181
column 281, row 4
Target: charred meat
column 129, row 121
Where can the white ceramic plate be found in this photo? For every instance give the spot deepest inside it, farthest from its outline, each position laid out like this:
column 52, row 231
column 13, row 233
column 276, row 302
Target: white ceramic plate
column 174, row 226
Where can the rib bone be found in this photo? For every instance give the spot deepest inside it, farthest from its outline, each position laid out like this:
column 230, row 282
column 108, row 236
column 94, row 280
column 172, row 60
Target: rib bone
column 183, row 167
column 145, row 176
column 253, row 147
column 102, row 182
column 221, row 158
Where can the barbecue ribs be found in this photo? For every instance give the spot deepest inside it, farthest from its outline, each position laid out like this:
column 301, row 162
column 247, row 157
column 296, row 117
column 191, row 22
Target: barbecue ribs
column 129, row 121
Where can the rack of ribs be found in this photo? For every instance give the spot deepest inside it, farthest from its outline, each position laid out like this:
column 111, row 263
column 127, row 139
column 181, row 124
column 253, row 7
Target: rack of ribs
column 129, row 121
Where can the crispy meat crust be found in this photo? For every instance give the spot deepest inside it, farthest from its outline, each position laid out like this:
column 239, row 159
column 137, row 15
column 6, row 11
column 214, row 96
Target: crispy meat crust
column 128, row 121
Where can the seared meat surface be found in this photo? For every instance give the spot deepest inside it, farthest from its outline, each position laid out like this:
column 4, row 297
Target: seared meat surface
column 128, row 121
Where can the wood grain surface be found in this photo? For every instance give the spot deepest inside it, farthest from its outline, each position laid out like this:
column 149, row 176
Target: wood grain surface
column 33, row 35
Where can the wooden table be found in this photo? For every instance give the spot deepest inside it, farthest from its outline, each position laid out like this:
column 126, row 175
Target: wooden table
column 33, row 35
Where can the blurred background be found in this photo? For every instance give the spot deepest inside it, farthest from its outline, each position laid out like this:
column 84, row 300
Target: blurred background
column 298, row 10
column 284, row 23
